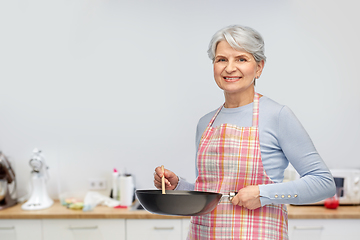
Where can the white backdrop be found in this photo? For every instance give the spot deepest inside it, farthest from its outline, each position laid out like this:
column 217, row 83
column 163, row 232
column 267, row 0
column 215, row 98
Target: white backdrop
column 99, row 84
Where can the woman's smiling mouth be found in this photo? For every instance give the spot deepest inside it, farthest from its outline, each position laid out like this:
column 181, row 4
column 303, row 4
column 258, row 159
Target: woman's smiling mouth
column 231, row 79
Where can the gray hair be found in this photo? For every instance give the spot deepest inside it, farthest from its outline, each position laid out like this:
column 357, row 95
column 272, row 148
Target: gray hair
column 239, row 38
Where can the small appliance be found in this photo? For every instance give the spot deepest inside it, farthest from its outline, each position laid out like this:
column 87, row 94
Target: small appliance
column 348, row 185
column 39, row 198
column 7, row 177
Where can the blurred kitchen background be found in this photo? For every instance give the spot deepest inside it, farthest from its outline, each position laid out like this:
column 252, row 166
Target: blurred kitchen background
column 104, row 84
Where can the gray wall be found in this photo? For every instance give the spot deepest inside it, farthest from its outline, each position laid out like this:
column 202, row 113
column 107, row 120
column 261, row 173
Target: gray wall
column 102, row 84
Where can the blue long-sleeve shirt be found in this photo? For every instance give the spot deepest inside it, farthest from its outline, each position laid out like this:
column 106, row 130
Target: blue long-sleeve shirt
column 282, row 140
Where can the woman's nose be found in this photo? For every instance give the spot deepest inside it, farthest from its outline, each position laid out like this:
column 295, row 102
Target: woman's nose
column 230, row 67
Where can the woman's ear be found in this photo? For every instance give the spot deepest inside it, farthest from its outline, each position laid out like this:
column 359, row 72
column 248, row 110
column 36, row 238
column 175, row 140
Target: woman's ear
column 260, row 67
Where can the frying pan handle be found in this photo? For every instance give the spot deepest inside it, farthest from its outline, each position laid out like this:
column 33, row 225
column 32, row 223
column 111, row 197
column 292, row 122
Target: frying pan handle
column 231, row 195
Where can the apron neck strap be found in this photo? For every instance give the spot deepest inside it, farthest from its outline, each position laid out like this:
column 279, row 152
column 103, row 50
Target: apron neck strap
column 255, row 121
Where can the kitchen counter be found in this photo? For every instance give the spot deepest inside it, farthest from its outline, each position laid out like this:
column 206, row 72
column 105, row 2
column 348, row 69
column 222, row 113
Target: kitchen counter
column 320, row 212
column 57, row 211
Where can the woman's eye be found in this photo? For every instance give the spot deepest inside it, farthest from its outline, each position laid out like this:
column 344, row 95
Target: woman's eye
column 242, row 60
column 221, row 60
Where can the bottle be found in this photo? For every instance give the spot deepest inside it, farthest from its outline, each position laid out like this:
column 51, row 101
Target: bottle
column 115, row 187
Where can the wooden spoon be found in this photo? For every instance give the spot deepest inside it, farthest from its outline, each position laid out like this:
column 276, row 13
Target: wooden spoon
column 163, row 180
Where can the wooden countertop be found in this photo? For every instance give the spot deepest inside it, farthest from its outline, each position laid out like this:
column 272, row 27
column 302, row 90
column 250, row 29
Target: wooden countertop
column 57, row 211
column 320, row 212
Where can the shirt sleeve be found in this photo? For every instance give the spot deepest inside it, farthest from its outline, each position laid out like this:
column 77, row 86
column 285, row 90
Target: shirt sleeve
column 316, row 182
column 183, row 185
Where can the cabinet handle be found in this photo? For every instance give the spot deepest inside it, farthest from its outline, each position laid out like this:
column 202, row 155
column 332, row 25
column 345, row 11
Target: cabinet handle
column 83, row 227
column 308, row 228
column 163, row 228
column 7, row 228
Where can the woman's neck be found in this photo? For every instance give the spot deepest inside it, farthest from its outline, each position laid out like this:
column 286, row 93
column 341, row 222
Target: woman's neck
column 238, row 99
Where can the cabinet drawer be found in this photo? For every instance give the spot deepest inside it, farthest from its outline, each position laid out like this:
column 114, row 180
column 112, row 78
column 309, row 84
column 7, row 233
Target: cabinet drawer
column 83, row 229
column 169, row 229
column 18, row 229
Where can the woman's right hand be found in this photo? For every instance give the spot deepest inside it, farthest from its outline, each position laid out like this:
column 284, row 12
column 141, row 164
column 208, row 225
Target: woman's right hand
column 171, row 180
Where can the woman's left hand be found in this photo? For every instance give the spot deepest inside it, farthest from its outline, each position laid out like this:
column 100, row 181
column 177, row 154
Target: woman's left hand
column 248, row 197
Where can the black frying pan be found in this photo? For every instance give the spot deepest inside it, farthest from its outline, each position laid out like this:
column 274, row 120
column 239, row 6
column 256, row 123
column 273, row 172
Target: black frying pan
column 179, row 203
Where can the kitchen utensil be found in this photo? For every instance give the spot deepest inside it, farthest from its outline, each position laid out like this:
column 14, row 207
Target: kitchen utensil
column 39, row 198
column 7, row 177
column 163, row 180
column 3, row 189
column 180, row 203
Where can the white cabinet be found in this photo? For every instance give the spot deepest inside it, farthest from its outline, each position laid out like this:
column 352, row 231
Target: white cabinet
column 185, row 227
column 164, row 229
column 83, row 229
column 19, row 229
column 324, row 229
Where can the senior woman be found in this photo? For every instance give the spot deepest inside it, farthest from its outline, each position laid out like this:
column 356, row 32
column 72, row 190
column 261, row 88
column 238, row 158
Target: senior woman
column 245, row 145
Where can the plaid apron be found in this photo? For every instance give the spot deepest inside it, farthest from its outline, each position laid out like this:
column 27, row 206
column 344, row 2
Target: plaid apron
column 229, row 159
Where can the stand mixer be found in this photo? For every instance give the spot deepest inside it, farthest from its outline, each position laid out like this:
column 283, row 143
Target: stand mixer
column 39, row 198
column 7, row 176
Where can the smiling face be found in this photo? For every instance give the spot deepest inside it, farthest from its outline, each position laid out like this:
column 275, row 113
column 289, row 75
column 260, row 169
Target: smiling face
column 235, row 70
